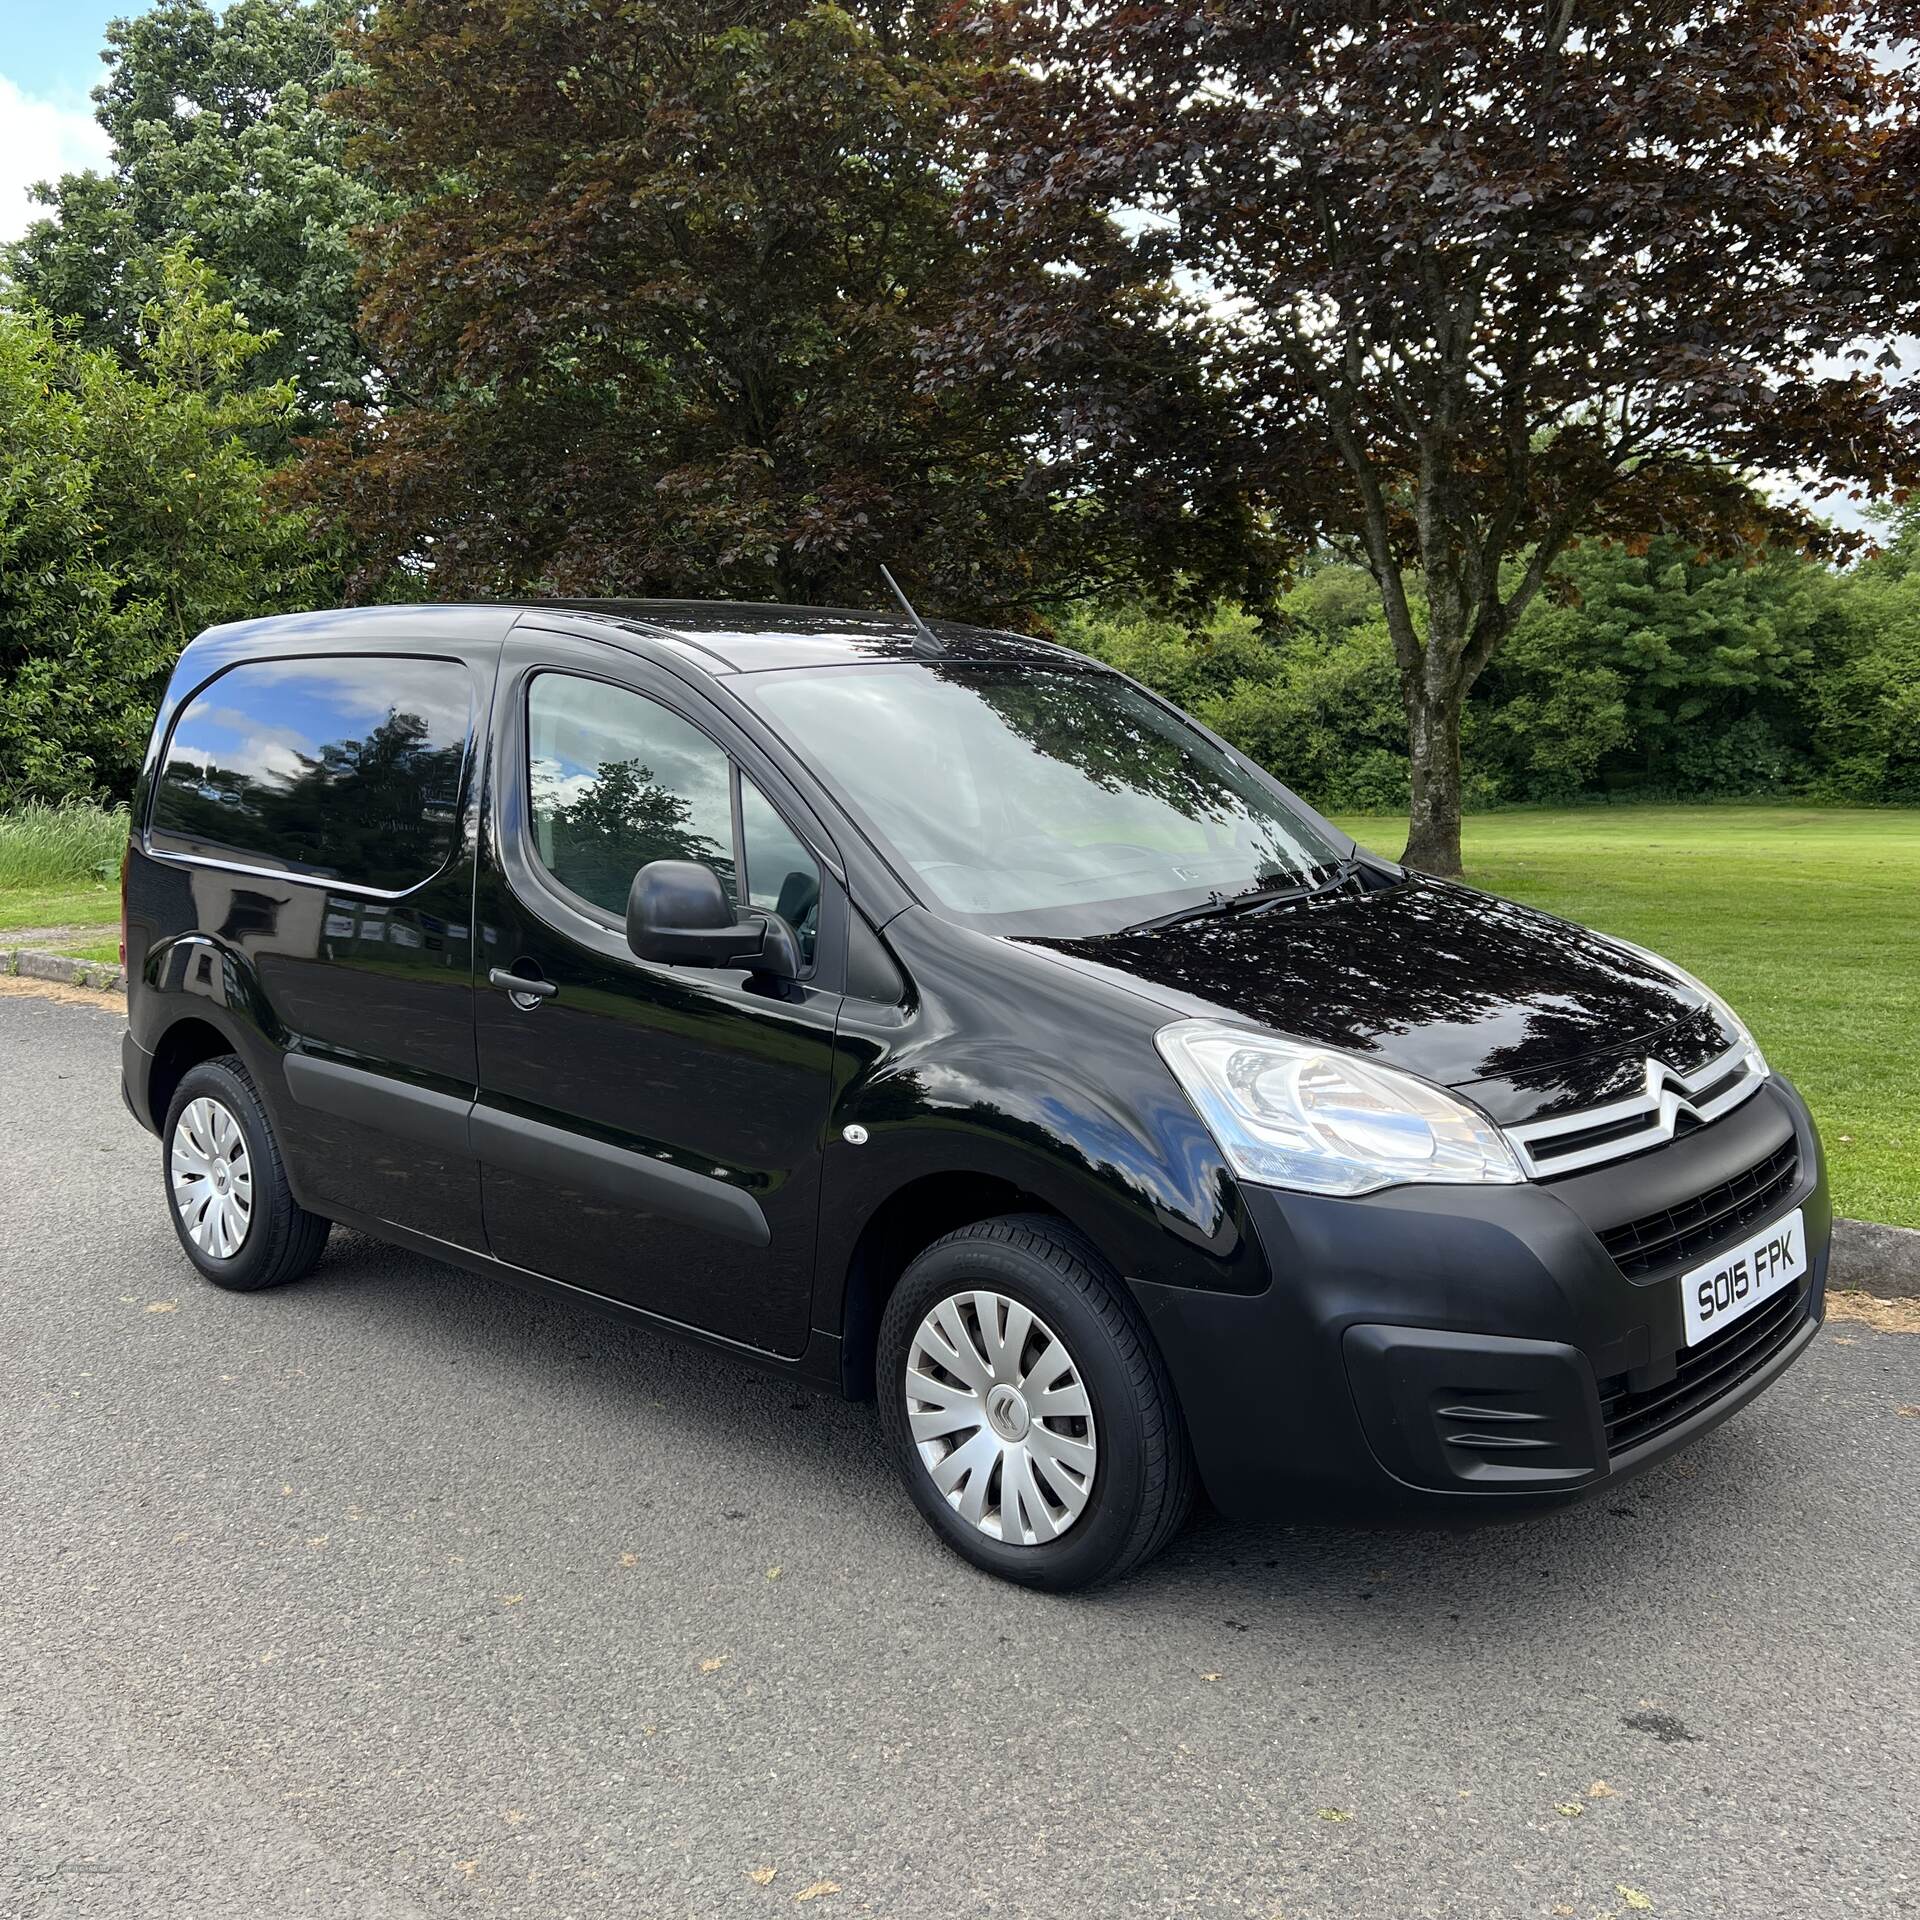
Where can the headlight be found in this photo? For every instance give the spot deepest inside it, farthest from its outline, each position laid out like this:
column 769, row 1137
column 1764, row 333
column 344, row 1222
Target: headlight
column 1319, row 1121
column 1729, row 1020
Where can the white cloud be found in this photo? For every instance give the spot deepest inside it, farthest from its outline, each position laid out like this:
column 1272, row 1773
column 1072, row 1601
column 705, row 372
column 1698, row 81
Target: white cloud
column 41, row 139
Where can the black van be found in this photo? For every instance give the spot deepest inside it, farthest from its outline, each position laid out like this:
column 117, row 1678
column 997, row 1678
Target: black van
column 934, row 1014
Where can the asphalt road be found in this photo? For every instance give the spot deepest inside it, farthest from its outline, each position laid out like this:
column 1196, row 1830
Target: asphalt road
column 400, row 1593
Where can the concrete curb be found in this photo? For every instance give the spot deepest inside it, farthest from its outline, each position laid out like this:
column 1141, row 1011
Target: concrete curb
column 1873, row 1259
column 32, row 963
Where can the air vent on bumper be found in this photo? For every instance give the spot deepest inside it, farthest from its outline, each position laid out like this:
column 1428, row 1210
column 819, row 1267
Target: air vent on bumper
column 1457, row 1411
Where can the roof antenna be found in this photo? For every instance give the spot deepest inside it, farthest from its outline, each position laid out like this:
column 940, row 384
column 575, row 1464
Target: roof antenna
column 926, row 643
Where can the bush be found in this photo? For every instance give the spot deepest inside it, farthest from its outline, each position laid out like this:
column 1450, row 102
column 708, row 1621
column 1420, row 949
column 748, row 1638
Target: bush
column 1867, row 710
column 1742, row 759
column 1327, row 720
column 1647, row 671
column 65, row 845
column 1188, row 665
column 1314, row 695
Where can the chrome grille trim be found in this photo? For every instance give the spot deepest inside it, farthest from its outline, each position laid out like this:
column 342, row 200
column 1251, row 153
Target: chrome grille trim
column 1644, row 1119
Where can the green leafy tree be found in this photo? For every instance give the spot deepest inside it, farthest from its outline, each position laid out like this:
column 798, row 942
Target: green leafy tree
column 220, row 143
column 1867, row 705
column 1499, row 275
column 132, row 514
column 1659, row 668
column 660, row 317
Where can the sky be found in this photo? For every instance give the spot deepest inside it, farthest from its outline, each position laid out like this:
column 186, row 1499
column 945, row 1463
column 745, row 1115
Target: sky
column 49, row 63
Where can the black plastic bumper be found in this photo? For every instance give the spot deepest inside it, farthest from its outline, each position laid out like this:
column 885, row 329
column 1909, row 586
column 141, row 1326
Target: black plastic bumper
column 136, row 1077
column 1462, row 1352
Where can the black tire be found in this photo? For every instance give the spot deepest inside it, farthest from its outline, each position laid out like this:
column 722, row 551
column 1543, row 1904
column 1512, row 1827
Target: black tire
column 282, row 1239
column 1143, row 1482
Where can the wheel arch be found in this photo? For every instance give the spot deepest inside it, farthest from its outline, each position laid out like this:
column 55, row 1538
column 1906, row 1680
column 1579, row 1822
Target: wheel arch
column 182, row 1046
column 903, row 1226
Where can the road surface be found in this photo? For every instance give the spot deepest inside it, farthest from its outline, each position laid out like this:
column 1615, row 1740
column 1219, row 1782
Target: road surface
column 398, row 1592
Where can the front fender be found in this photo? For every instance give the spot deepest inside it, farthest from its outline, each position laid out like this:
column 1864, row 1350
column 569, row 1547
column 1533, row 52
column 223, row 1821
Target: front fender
column 1008, row 1067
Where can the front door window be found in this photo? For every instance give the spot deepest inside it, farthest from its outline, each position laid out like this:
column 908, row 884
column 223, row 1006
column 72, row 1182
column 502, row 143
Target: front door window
column 617, row 780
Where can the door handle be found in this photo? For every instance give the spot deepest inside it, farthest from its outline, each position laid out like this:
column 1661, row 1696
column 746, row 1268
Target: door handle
column 520, row 986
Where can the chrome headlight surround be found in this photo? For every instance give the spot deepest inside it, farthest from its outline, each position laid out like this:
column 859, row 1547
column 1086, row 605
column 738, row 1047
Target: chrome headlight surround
column 1322, row 1120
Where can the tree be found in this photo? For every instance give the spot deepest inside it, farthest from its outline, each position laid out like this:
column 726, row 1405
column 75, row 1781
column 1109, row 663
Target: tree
column 1867, row 704
column 132, row 514
column 219, row 143
column 657, row 308
column 1500, row 275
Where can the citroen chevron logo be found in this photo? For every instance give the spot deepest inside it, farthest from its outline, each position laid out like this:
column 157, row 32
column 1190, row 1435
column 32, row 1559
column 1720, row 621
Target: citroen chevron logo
column 1667, row 1095
column 1634, row 1121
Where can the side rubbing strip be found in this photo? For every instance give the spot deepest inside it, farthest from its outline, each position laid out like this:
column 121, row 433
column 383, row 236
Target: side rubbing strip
column 651, row 1186
column 379, row 1101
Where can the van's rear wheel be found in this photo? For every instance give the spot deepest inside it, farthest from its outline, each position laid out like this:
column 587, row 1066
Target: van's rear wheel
column 236, row 1216
column 1028, row 1411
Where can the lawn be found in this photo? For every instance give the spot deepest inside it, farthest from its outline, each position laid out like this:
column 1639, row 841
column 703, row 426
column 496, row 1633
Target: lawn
column 1807, row 920
column 68, row 906
column 60, row 867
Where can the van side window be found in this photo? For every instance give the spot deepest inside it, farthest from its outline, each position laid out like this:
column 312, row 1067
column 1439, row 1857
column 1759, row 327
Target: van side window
column 348, row 768
column 616, row 780
column 782, row 876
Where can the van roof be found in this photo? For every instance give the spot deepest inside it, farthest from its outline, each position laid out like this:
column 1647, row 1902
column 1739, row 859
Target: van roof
column 720, row 636
column 750, row 636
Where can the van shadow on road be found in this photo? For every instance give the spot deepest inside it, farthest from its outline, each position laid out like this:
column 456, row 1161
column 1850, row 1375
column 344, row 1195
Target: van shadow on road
column 1544, row 1579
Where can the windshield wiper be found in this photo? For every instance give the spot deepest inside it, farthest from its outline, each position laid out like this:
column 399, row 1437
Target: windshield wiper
column 1207, row 909
column 1269, row 891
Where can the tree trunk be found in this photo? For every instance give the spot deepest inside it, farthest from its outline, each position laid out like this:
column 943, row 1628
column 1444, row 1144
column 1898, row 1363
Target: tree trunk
column 1433, row 745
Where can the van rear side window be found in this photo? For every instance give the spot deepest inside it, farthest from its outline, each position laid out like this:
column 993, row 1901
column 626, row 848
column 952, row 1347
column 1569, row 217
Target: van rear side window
column 348, row 768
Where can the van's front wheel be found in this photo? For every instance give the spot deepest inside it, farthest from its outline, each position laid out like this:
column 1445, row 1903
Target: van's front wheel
column 1028, row 1411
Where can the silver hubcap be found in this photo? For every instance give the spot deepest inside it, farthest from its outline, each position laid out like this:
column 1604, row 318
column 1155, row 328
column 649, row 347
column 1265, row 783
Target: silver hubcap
column 1001, row 1418
column 212, row 1178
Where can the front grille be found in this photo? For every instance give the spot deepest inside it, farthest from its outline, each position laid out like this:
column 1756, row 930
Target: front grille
column 1667, row 1102
column 1675, row 1236
column 1713, row 1368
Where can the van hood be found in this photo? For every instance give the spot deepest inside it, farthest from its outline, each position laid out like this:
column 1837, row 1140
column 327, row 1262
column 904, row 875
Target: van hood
column 1460, row 987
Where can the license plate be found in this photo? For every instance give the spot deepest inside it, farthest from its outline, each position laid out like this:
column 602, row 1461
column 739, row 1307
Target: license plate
column 1735, row 1282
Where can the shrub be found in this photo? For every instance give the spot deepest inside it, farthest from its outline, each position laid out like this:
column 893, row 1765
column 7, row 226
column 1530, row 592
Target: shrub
column 67, row 844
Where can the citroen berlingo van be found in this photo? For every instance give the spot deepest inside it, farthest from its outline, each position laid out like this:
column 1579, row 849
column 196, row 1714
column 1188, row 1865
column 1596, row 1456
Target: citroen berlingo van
column 934, row 1015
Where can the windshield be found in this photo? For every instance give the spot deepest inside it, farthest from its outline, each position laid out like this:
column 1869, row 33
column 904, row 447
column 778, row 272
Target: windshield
column 1042, row 800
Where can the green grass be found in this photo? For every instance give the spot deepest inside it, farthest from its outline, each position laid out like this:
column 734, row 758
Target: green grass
column 1806, row 919
column 71, row 845
column 68, row 906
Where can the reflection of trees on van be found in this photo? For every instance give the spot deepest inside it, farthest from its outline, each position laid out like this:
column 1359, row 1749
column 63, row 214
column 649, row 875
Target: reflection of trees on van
column 1120, row 741
column 597, row 842
column 379, row 811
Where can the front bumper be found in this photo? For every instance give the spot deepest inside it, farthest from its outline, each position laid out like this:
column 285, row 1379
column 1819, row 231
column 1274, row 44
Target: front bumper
column 1409, row 1338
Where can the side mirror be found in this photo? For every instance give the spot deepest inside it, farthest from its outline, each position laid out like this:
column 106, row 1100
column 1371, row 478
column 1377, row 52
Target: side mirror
column 678, row 913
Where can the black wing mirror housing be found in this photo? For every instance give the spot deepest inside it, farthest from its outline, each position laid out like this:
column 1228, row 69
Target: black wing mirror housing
column 678, row 914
